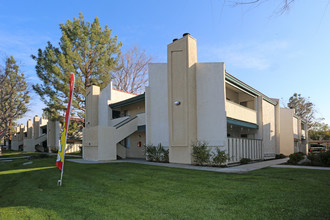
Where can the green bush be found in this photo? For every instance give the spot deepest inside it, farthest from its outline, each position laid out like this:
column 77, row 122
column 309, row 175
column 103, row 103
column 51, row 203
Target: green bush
column 201, row 153
column 325, row 158
column 220, row 157
column 296, row 157
column 165, row 157
column 245, row 160
column 156, row 154
column 279, row 156
column 320, row 159
column 54, row 150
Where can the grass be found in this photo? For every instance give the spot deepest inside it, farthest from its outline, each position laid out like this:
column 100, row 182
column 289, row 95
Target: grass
column 135, row 191
column 12, row 153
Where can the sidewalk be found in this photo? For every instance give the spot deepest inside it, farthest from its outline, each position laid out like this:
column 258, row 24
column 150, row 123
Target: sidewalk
column 236, row 169
column 302, row 167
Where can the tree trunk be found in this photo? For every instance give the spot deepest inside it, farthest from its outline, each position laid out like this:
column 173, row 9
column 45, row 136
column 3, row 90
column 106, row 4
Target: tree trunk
column 10, row 134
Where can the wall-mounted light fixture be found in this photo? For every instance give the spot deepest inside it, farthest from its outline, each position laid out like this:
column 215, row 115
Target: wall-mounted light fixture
column 177, row 103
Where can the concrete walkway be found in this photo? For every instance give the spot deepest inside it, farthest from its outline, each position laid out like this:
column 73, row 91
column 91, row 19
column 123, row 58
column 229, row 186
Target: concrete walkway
column 235, row 169
column 11, row 158
column 302, row 167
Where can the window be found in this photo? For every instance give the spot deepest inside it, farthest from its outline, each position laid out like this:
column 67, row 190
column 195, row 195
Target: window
column 115, row 114
column 243, row 103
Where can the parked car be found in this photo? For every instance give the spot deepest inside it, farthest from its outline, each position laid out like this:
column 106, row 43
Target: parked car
column 317, row 148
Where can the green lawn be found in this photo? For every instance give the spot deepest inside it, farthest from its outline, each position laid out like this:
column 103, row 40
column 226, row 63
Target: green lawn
column 134, row 191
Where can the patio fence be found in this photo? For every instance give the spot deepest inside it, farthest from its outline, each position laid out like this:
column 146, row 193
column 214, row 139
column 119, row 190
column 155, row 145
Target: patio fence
column 239, row 148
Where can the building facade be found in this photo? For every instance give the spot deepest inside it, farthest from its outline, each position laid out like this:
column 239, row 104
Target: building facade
column 187, row 101
column 42, row 135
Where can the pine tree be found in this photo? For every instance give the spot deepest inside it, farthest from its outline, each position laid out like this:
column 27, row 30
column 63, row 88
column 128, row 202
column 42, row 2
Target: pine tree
column 14, row 96
column 84, row 49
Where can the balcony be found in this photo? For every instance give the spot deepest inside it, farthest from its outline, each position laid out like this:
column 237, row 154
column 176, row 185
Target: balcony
column 239, row 112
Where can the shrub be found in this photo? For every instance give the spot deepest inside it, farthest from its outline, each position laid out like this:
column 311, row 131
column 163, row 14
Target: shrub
column 324, row 158
column 150, row 152
column 320, row 159
column 201, row 153
column 314, row 158
column 245, row 160
column 165, row 157
column 54, row 150
column 156, row 154
column 279, row 156
column 295, row 157
column 220, row 157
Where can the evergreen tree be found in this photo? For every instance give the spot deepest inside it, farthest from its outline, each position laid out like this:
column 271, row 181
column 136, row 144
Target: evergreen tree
column 85, row 49
column 14, row 96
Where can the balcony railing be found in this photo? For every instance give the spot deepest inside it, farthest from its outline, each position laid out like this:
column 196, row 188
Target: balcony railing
column 239, row 112
column 239, row 148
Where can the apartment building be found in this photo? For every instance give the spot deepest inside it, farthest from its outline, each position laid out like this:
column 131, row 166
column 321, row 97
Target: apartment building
column 41, row 135
column 185, row 101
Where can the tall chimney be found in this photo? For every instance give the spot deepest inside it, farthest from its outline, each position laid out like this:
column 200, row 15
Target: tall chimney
column 181, row 67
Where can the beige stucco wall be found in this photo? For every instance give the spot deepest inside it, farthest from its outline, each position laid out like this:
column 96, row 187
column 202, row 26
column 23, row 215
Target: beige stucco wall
column 53, row 134
column 29, row 125
column 231, row 95
column 238, row 95
column 239, row 112
column 107, row 149
column 269, row 132
column 243, row 97
column 133, row 109
column 36, row 125
column 92, row 104
column 295, row 124
column 181, row 69
column 100, row 137
column 104, row 112
column 286, row 127
column 133, row 151
column 211, row 114
column 117, row 96
column 29, row 145
column 99, row 143
column 157, row 105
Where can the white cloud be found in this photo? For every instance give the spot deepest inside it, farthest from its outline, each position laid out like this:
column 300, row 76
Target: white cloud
column 255, row 55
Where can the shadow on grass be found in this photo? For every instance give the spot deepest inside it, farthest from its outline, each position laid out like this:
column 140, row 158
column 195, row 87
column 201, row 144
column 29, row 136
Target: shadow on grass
column 135, row 191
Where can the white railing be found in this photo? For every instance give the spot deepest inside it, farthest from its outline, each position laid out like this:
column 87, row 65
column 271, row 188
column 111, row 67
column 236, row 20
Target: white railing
column 239, row 148
column 115, row 121
column 70, row 148
column 237, row 111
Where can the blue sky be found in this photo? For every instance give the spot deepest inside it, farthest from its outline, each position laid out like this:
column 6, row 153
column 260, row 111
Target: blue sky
column 276, row 54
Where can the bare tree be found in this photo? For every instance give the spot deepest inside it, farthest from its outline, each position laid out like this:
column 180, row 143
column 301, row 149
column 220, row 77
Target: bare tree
column 284, row 6
column 133, row 74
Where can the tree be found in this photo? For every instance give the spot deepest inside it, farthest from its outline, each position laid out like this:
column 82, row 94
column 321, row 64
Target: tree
column 132, row 76
column 85, row 49
column 320, row 131
column 283, row 7
column 14, row 96
column 304, row 108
